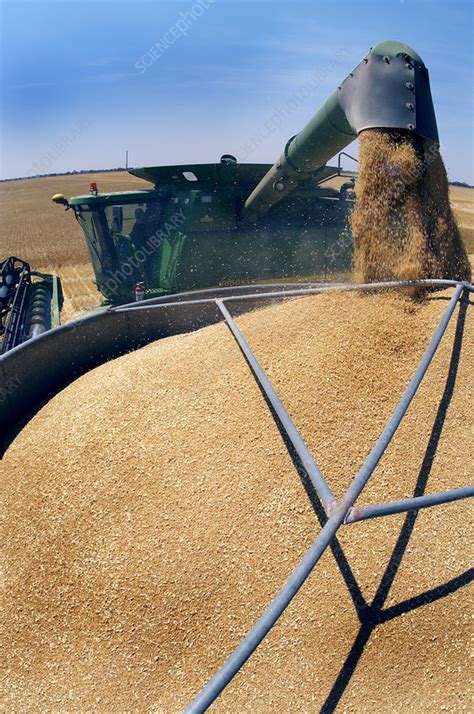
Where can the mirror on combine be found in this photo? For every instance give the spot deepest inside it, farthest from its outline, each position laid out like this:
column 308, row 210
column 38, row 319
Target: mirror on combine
column 59, row 198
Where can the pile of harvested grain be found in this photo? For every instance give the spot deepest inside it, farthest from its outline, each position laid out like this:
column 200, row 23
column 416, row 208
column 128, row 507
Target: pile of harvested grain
column 402, row 224
column 151, row 511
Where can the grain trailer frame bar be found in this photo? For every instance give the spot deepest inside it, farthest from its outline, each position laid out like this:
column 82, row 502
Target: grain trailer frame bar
column 340, row 512
column 321, row 486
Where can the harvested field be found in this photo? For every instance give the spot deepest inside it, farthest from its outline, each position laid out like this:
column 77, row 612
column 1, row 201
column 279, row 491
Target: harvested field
column 151, row 511
column 403, row 226
column 462, row 202
column 48, row 237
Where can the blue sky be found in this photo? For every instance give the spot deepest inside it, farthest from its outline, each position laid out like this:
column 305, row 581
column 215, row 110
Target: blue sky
column 241, row 77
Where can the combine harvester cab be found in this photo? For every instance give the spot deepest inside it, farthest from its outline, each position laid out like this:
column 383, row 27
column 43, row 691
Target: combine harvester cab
column 191, row 231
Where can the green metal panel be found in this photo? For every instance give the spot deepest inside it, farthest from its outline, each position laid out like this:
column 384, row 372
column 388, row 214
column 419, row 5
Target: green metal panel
column 392, row 48
column 120, row 197
column 209, row 176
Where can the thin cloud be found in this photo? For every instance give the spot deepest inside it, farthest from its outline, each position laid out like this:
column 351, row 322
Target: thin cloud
column 103, row 77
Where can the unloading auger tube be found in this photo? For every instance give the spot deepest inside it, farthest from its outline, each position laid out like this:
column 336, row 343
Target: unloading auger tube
column 388, row 89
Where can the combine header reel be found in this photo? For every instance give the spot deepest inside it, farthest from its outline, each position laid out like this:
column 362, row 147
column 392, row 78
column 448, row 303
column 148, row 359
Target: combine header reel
column 30, row 303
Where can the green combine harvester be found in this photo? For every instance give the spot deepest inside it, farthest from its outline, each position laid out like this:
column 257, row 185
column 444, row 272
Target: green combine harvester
column 225, row 224
column 202, row 231
column 192, row 231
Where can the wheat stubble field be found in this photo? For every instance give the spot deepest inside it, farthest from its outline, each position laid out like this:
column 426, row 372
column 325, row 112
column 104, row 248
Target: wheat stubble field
column 35, row 229
column 48, row 237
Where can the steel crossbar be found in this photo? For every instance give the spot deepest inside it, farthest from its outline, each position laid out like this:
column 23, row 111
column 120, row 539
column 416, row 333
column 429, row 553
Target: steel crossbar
column 297, row 292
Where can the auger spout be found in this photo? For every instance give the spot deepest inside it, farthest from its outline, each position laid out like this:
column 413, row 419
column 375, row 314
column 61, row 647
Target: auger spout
column 389, row 89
